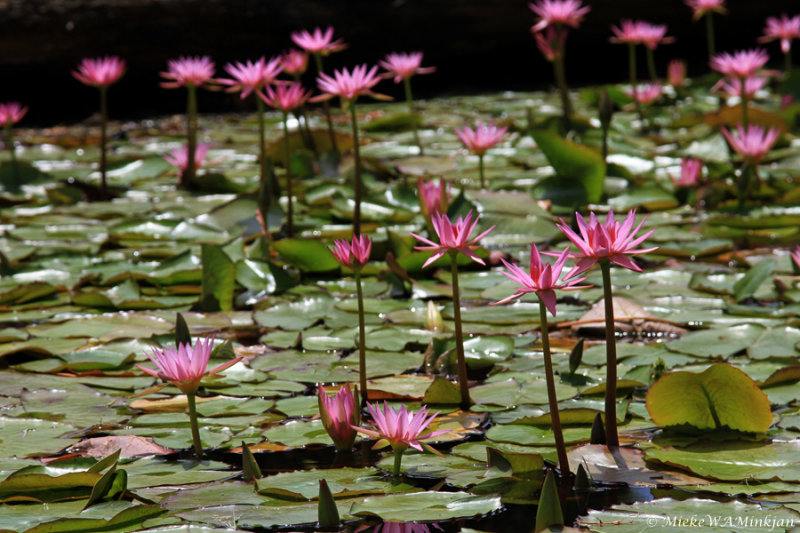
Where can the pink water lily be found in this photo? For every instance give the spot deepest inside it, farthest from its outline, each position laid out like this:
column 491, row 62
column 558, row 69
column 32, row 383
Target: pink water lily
column 646, row 94
column 354, row 254
column 11, row 113
column 752, row 143
column 483, row 137
column 179, row 157
column 651, row 35
column 609, row 241
column 350, row 84
column 541, row 279
column 251, row 75
column 691, row 169
column 433, row 197
column 402, row 65
column 294, row 62
column 188, row 71
column 784, row 29
column 100, row 72
column 285, row 97
column 735, row 87
column 701, row 7
column 676, row 73
column 627, row 32
column 339, row 413
column 741, row 64
column 558, row 12
column 453, row 237
column 319, row 42
column 400, row 428
column 550, row 42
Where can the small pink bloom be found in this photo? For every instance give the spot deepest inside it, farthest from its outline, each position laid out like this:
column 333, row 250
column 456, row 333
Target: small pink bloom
column 100, row 72
column 433, row 198
column 691, row 169
column 783, row 28
column 349, row 85
column 251, row 76
column 188, row 71
column 550, row 42
column 733, row 86
column 627, row 32
column 558, row 12
column 339, row 413
column 646, row 94
column 318, row 42
column 185, row 365
column 741, row 64
column 651, row 35
column 542, row 279
column 483, row 137
column 286, row 97
column 453, row 237
column 11, row 113
column 294, row 62
column 676, row 73
column 404, row 65
column 401, row 428
column 753, row 143
column 179, row 157
column 353, row 255
column 796, row 255
column 610, row 241
column 701, row 7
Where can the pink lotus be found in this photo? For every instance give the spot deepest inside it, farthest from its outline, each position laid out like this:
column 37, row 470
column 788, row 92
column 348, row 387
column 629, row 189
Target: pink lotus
column 735, row 87
column 294, row 62
column 629, row 31
column 542, row 279
column 339, row 413
column 401, row 428
column 251, row 76
column 433, row 198
column 100, row 72
column 349, row 85
column 403, row 65
column 179, row 157
column 286, row 97
column 483, row 137
column 701, row 7
column 610, row 241
column 651, row 35
column 796, row 255
column 353, row 255
column 558, row 13
column 646, row 94
column 691, row 169
column 185, row 366
column 676, row 73
column 550, row 42
column 188, row 71
column 783, row 28
column 454, row 237
column 741, row 64
column 753, row 143
column 11, row 113
column 318, row 42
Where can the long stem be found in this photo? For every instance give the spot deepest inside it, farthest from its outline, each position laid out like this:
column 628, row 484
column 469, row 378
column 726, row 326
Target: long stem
column 480, row 170
column 262, row 153
column 362, row 341
column 651, row 64
column 743, row 95
column 398, row 458
column 187, row 177
column 710, row 35
column 612, row 440
column 559, row 70
column 787, row 57
column 555, row 417
column 198, row 446
column 633, row 80
column 288, row 167
column 356, row 171
column 327, row 107
column 13, row 152
column 463, row 384
column 103, row 138
column 410, row 101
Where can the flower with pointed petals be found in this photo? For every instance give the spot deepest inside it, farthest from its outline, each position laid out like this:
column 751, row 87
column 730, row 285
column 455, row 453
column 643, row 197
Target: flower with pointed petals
column 349, row 85
column 610, row 241
column 400, row 428
column 558, row 12
column 286, row 97
column 251, row 76
column 188, row 71
column 433, row 197
column 294, row 62
column 651, row 35
column 752, row 143
column 339, row 413
column 353, row 254
column 483, row 137
column 318, row 42
column 100, row 72
column 541, row 279
column 783, row 28
column 627, row 32
column 646, row 94
column 550, row 42
column 796, row 256
column 453, row 237
column 691, row 169
column 179, row 159
column 11, row 113
column 741, row 64
column 701, row 7
column 733, row 86
column 676, row 73
column 185, row 365
column 403, row 65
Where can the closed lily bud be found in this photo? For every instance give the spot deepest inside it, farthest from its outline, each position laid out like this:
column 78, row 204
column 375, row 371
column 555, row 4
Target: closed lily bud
column 433, row 318
column 605, row 108
column 339, row 413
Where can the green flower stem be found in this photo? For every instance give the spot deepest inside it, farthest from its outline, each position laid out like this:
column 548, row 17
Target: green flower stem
column 103, row 139
column 748, row 178
column 10, row 145
column 555, row 417
column 787, row 57
column 743, row 96
column 634, row 82
column 651, row 64
column 362, row 339
column 326, row 107
column 356, row 171
column 410, row 101
column 463, row 384
column 187, row 177
column 262, row 155
column 710, row 35
column 198, row 446
column 398, row 459
column 612, row 440
column 559, row 71
column 288, row 167
column 481, row 171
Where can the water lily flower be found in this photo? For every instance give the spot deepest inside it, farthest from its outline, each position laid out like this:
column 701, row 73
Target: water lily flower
column 188, row 71
column 402, row 65
column 401, row 429
column 350, row 84
column 691, row 169
column 702, row 7
column 558, row 12
column 454, row 237
column 294, row 63
column 318, row 42
column 100, row 72
column 646, row 94
column 339, row 413
column 740, row 64
column 11, row 113
column 354, row 254
column 479, row 140
column 251, row 75
column 285, row 97
column 676, row 73
column 550, row 43
column 179, row 157
column 784, row 29
column 753, row 142
column 433, row 197
column 735, row 86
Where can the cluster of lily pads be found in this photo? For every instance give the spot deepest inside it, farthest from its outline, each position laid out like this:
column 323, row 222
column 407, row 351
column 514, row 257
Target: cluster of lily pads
column 677, row 376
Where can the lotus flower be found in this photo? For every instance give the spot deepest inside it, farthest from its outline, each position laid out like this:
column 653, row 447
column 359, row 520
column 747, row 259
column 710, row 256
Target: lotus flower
column 646, row 94
column 179, row 157
column 691, row 169
column 628, row 32
column 752, row 143
column 453, row 237
column 285, row 97
column 294, row 62
column 11, row 113
column 741, row 64
column 403, row 65
column 100, row 72
column 188, row 71
column 550, row 43
column 318, row 42
column 701, row 7
column 339, row 413
column 676, row 73
column 483, row 137
column 349, row 85
column 251, row 76
column 735, row 87
column 433, row 197
column 651, row 35
column 558, row 12
column 353, row 254
column 784, row 29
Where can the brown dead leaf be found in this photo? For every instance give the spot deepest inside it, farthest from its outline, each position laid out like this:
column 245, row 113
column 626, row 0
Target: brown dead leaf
column 629, row 318
column 130, row 446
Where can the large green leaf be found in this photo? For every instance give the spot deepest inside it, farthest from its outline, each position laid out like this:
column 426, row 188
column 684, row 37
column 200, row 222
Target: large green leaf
column 572, row 161
column 219, row 279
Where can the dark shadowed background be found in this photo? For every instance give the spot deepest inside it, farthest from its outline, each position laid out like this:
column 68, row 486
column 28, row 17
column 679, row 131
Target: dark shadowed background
column 477, row 45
